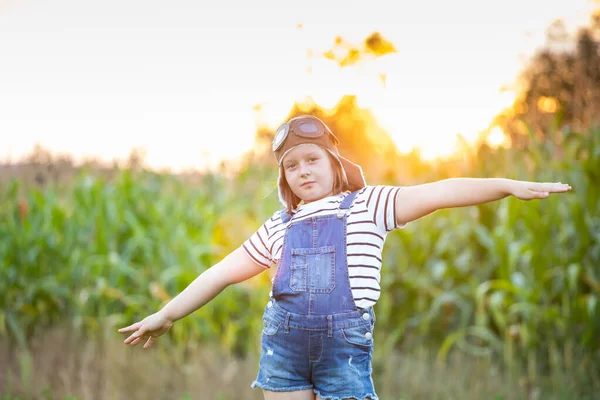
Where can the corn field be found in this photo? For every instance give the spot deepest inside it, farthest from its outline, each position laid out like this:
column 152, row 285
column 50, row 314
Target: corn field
column 511, row 283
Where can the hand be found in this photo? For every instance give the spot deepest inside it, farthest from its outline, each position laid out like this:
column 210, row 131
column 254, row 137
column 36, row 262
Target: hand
column 537, row 190
column 149, row 328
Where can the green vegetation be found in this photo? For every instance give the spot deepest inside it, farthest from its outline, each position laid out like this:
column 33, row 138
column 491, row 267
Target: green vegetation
column 513, row 283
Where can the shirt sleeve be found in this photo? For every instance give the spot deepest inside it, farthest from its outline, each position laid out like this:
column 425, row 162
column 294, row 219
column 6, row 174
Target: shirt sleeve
column 381, row 205
column 257, row 247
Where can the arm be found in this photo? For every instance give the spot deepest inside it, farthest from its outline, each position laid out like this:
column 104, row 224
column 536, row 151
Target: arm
column 414, row 202
column 234, row 268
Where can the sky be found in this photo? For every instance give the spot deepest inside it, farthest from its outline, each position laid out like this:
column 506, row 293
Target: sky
column 181, row 79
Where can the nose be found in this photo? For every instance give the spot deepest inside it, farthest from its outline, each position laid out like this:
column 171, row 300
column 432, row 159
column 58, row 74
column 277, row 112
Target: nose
column 304, row 169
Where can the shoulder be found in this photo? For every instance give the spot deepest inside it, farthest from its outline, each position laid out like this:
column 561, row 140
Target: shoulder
column 373, row 194
column 277, row 215
column 272, row 223
column 379, row 203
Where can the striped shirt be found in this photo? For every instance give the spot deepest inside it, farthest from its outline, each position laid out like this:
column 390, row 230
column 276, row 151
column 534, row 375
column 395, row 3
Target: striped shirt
column 371, row 218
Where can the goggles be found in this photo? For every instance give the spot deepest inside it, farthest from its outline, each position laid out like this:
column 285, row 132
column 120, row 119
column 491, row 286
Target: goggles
column 306, row 126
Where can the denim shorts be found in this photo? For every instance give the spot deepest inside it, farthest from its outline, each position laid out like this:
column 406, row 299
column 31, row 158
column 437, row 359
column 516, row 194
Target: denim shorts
column 330, row 354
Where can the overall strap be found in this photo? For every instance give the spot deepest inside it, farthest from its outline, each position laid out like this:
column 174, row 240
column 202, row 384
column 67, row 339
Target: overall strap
column 285, row 217
column 347, row 202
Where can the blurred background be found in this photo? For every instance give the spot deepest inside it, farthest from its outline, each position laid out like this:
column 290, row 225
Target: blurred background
column 135, row 154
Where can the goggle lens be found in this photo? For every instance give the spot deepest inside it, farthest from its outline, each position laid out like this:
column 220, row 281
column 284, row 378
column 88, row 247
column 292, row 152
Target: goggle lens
column 280, row 136
column 309, row 128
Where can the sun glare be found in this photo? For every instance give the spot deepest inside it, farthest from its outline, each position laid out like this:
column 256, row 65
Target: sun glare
column 496, row 137
column 432, row 129
column 195, row 108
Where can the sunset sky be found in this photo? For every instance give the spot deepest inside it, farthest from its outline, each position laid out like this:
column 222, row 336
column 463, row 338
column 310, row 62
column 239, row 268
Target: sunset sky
column 181, row 79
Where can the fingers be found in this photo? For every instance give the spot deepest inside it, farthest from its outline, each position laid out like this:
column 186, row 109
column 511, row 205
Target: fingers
column 542, row 190
column 556, row 187
column 139, row 339
column 137, row 335
column 535, row 194
column 136, row 341
column 136, row 338
column 131, row 339
column 131, row 328
column 560, row 187
column 141, row 333
column 149, row 342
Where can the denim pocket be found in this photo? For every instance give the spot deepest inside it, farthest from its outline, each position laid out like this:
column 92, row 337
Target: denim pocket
column 270, row 328
column 313, row 269
column 359, row 336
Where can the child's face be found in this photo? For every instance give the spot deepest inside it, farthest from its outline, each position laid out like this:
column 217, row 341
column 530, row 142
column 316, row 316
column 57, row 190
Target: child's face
column 309, row 172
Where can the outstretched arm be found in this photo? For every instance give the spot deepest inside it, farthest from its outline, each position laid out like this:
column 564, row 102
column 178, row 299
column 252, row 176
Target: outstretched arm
column 234, row 268
column 414, row 202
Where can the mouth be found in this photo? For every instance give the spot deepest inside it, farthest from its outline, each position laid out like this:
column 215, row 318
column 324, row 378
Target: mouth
column 307, row 183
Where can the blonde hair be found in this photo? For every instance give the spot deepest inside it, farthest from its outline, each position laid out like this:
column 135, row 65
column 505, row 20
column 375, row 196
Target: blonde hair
column 339, row 184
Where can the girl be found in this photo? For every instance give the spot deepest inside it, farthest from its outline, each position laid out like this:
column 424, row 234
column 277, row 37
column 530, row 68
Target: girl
column 317, row 337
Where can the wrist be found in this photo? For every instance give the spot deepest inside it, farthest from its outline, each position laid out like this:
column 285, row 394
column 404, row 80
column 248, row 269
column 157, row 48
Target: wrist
column 510, row 187
column 167, row 314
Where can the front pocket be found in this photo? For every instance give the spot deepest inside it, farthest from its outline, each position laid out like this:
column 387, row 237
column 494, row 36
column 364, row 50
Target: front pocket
column 358, row 336
column 269, row 328
column 313, row 269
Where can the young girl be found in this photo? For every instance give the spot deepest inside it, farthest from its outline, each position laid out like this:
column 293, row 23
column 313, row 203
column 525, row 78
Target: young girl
column 317, row 336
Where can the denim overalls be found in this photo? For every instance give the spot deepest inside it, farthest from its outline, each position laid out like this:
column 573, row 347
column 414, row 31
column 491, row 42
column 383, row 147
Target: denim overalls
column 314, row 336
